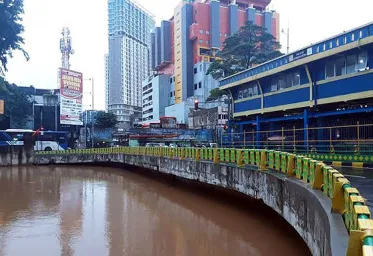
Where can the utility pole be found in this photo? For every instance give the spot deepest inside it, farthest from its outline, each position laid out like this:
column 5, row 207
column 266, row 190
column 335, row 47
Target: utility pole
column 287, row 33
column 93, row 109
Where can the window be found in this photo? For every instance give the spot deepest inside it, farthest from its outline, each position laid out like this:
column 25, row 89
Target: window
column 171, row 80
column 240, row 95
column 351, row 64
column 200, row 68
column 345, row 40
column 296, row 78
column 201, row 41
column 337, row 42
column 281, row 83
column 207, row 41
column 340, row 67
column 362, row 61
column 207, row 32
column 274, row 85
column 330, row 45
column 361, row 34
column 324, row 47
column 352, row 37
column 329, row 69
column 289, row 80
column 195, row 70
column 195, row 86
column 200, row 85
column 201, row 31
column 225, row 35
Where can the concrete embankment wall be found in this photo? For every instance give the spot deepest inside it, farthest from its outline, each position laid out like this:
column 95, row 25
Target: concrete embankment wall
column 307, row 210
column 16, row 155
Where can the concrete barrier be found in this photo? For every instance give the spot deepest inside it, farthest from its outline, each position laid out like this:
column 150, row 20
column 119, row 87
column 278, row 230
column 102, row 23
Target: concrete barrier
column 16, row 155
column 306, row 209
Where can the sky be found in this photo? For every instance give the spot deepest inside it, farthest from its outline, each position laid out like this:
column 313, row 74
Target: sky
column 309, row 22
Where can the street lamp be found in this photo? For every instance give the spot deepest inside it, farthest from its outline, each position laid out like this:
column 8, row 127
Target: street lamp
column 287, row 33
column 93, row 108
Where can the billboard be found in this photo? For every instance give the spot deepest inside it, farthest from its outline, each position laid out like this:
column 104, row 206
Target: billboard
column 71, row 97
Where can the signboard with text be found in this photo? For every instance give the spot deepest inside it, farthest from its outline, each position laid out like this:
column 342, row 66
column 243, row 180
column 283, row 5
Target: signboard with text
column 71, row 97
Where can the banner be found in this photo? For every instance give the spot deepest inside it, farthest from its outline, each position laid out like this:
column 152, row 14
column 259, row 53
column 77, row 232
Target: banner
column 71, row 97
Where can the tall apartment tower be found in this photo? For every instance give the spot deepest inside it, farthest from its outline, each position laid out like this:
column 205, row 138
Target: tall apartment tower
column 130, row 27
column 106, row 82
column 185, row 45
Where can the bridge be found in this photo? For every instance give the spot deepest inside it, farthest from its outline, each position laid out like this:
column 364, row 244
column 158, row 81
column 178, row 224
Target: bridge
column 317, row 200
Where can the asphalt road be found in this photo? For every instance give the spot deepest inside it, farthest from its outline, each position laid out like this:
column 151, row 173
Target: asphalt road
column 362, row 179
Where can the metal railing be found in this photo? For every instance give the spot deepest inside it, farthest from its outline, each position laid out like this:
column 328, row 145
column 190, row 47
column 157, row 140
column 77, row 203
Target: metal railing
column 346, row 199
column 347, row 139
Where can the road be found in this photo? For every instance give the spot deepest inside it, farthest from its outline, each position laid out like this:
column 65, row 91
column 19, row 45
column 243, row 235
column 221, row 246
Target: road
column 362, row 179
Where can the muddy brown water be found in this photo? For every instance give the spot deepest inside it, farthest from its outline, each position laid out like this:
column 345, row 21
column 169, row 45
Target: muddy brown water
column 107, row 211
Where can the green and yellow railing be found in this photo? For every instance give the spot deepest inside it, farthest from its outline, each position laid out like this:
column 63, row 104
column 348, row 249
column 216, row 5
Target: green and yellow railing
column 346, row 199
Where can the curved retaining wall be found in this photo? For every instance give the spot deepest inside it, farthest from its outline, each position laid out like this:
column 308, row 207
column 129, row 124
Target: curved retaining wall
column 307, row 210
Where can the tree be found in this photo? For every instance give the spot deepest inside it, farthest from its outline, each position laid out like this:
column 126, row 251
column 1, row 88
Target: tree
column 106, row 120
column 11, row 30
column 17, row 106
column 216, row 94
column 250, row 46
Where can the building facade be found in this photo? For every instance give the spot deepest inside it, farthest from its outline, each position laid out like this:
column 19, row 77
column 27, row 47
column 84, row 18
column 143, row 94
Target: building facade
column 212, row 118
column 184, row 46
column 154, row 98
column 130, row 27
column 310, row 96
column 107, row 80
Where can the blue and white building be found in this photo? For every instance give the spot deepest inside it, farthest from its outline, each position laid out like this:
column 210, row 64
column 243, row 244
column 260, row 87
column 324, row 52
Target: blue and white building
column 315, row 86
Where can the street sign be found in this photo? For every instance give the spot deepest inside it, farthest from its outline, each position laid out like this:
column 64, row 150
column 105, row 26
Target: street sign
column 1, row 107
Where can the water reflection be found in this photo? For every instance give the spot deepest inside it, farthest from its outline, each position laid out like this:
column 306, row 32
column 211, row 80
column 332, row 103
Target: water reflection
column 96, row 211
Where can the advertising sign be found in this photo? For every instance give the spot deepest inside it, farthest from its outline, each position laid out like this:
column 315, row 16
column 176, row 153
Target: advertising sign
column 71, row 97
column 300, row 55
column 1, row 107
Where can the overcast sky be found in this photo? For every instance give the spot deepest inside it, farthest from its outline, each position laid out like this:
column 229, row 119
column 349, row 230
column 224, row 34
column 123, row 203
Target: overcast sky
column 310, row 21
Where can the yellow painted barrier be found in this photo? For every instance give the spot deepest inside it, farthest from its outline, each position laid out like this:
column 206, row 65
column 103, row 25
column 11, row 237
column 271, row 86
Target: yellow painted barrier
column 291, row 165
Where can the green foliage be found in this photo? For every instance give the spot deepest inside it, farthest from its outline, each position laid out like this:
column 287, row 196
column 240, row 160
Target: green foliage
column 17, row 106
column 11, row 30
column 216, row 94
column 106, row 120
column 250, row 46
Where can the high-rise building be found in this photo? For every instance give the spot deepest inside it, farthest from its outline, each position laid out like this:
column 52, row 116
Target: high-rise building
column 107, row 82
column 130, row 27
column 184, row 46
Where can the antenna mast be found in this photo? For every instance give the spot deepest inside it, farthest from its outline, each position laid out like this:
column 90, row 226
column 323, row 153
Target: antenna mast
column 66, row 48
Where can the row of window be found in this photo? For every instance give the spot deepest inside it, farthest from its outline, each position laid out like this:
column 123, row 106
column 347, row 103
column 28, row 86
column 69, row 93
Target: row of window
column 284, row 60
column 201, row 31
column 202, row 41
column 346, row 65
column 248, row 91
column 285, row 81
column 199, row 85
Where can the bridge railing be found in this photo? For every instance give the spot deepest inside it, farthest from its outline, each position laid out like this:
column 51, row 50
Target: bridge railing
column 346, row 199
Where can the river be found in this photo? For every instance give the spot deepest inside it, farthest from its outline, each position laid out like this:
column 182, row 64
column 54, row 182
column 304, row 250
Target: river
column 107, row 211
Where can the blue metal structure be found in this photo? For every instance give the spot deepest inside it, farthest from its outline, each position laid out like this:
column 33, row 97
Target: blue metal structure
column 333, row 77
